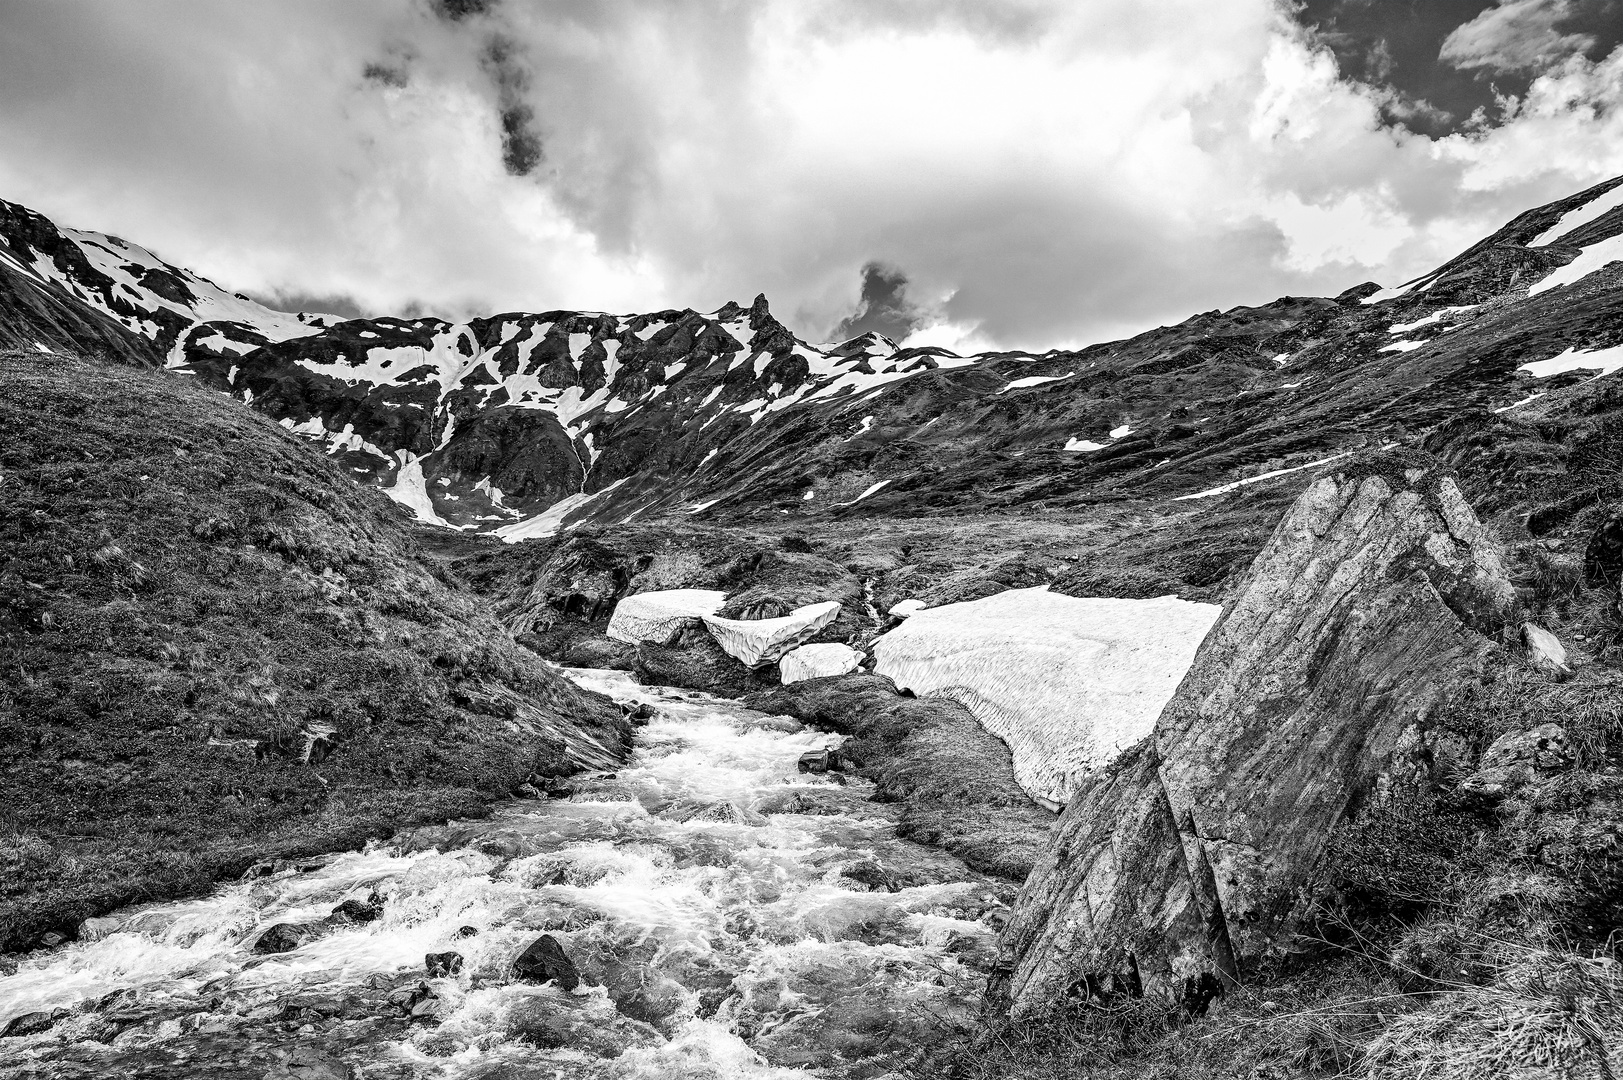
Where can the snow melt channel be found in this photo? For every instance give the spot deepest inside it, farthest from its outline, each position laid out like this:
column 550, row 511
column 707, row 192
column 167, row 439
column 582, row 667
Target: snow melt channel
column 1067, row 682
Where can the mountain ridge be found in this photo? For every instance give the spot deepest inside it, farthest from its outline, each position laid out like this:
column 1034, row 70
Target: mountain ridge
column 520, row 424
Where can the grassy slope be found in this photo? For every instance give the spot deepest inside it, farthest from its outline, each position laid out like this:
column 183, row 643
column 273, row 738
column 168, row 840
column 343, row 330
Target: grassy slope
column 181, row 582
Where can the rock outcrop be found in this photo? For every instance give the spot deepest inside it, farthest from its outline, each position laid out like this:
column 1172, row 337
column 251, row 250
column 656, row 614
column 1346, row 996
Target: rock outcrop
column 1189, row 857
column 1067, row 682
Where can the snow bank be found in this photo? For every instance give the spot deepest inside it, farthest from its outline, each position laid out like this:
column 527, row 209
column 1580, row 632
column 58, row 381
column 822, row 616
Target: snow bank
column 761, row 641
column 818, row 661
column 657, row 616
column 1604, row 361
column 1066, row 682
column 904, row 608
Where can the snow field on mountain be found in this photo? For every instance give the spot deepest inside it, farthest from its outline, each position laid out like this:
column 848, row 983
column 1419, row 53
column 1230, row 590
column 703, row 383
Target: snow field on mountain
column 1067, row 682
column 1601, row 361
column 1597, row 256
column 1579, row 217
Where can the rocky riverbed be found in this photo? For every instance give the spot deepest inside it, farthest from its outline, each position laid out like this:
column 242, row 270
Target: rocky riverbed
column 720, row 913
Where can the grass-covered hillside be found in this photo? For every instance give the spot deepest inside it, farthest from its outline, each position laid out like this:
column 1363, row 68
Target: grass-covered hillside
column 217, row 649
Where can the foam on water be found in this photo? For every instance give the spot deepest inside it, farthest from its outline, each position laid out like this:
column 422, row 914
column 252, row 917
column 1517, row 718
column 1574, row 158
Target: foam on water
column 730, row 917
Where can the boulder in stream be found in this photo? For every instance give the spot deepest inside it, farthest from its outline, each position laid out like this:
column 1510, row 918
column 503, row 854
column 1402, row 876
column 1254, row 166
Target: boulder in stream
column 544, row 960
column 442, row 964
column 284, row 937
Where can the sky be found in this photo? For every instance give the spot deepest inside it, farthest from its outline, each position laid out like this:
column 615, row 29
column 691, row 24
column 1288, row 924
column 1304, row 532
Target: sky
column 999, row 174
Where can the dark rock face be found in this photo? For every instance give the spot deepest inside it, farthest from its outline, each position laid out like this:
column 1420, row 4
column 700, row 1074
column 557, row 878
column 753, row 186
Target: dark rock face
column 1189, row 857
column 544, row 960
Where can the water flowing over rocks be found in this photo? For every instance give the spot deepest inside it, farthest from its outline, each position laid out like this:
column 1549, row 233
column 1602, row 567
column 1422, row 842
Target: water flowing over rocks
column 1188, row 858
column 705, row 910
column 1067, row 682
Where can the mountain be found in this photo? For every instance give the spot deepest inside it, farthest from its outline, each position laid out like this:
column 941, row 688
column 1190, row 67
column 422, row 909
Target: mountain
column 519, row 424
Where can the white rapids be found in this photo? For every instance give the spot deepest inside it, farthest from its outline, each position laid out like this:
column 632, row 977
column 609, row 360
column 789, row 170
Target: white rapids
column 730, row 917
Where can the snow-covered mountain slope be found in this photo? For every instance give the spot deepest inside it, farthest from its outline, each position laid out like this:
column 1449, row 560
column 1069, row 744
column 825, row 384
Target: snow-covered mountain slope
column 523, row 423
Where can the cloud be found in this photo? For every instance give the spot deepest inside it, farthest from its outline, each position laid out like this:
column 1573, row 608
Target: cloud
column 884, row 307
column 1517, row 35
column 1047, row 173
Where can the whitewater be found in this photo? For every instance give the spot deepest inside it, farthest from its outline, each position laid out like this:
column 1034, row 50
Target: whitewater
column 729, row 915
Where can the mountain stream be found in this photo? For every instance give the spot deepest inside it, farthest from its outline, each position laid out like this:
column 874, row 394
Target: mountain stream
column 729, row 916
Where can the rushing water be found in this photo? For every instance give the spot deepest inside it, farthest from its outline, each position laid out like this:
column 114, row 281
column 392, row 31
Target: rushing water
column 730, row 917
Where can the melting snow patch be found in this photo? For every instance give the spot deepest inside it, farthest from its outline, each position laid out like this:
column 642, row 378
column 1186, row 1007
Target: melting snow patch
column 1067, row 682
column 868, row 492
column 1083, row 445
column 1404, row 328
column 811, row 493
column 905, row 608
column 657, row 616
column 42, row 348
column 408, row 488
column 1392, row 294
column 818, row 661
column 1289, row 385
column 697, row 507
column 1402, row 346
column 1260, row 477
column 1121, row 432
column 1534, row 396
column 551, row 519
column 1034, row 380
column 754, row 642
column 1579, row 216
column 1595, row 257
column 1604, row 361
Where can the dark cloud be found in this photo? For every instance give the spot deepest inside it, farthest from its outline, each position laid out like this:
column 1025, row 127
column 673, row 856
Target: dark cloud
column 884, row 307
column 521, row 142
column 385, row 74
column 457, row 10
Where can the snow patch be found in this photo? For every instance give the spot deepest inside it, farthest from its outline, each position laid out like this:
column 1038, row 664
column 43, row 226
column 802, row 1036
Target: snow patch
column 1595, row 257
column 1034, row 380
column 1604, row 361
column 1261, row 476
column 1068, row 683
column 1121, row 432
column 1401, row 346
column 551, row 519
column 1083, row 446
column 408, row 488
column 754, row 642
column 1579, row 216
column 817, row 662
column 657, row 616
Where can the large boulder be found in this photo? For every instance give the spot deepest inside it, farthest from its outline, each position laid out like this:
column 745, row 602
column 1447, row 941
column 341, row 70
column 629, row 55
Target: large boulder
column 1189, row 858
column 1067, row 682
